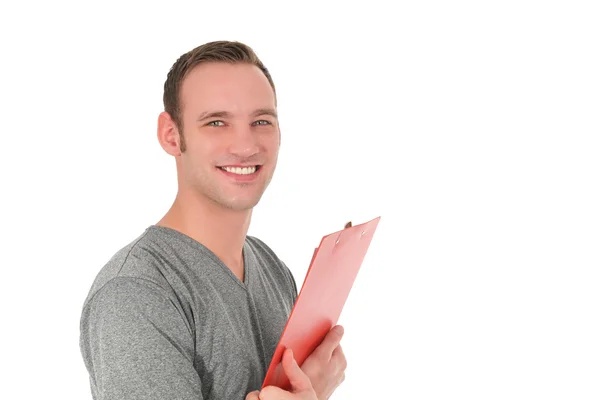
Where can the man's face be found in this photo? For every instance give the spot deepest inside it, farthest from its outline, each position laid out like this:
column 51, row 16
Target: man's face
column 232, row 140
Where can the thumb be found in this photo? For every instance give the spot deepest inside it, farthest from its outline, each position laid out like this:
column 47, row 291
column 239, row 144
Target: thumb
column 253, row 395
column 298, row 379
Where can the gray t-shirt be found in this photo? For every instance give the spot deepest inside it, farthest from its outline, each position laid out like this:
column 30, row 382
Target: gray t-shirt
column 167, row 319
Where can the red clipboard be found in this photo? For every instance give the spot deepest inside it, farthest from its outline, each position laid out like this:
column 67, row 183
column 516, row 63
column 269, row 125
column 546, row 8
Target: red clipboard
column 330, row 276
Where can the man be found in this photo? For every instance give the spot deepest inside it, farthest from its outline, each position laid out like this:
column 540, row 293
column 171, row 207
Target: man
column 193, row 308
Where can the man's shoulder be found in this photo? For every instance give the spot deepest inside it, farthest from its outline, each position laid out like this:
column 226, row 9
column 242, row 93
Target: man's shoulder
column 132, row 262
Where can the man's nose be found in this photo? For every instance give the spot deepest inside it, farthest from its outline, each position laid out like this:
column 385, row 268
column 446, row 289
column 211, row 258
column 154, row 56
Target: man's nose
column 244, row 142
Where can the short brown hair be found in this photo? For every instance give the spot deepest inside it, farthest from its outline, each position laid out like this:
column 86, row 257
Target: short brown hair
column 217, row 51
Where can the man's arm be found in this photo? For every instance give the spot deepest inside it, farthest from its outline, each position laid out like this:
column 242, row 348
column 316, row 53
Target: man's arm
column 137, row 345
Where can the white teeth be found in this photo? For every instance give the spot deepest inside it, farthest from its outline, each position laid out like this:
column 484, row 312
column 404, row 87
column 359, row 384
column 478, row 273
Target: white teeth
column 240, row 171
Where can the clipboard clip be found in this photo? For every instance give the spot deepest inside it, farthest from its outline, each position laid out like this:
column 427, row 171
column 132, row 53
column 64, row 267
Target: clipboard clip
column 348, row 225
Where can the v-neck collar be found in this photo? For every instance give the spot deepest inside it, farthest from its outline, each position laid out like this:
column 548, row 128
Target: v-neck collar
column 199, row 246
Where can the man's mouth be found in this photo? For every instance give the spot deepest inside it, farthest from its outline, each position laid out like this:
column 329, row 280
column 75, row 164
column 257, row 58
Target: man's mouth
column 241, row 170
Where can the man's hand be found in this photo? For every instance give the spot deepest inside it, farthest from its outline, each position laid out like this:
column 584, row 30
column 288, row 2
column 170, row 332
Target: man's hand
column 326, row 365
column 301, row 387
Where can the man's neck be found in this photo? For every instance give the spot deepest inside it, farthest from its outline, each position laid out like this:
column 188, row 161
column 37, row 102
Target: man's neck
column 222, row 231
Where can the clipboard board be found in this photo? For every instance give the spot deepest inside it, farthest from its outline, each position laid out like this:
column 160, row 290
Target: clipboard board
column 329, row 279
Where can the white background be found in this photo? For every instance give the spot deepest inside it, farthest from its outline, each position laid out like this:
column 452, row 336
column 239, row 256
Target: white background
column 470, row 127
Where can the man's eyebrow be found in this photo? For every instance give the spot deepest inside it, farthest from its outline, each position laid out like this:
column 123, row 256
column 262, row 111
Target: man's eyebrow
column 265, row 111
column 226, row 114
column 213, row 114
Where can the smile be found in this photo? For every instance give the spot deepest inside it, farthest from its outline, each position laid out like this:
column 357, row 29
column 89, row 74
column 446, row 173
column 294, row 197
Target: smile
column 240, row 170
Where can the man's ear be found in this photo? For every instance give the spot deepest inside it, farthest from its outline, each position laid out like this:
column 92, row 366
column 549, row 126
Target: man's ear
column 168, row 134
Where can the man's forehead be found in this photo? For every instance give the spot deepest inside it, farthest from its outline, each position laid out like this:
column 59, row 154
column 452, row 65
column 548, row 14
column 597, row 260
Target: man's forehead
column 213, row 76
column 248, row 89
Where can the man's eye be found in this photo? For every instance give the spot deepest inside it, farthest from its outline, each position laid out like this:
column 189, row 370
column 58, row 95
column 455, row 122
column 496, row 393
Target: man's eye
column 215, row 123
column 262, row 122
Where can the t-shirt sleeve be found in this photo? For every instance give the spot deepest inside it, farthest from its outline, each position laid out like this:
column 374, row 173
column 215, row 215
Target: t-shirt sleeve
column 137, row 345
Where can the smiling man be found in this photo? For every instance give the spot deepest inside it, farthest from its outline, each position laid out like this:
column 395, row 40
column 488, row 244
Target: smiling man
column 193, row 308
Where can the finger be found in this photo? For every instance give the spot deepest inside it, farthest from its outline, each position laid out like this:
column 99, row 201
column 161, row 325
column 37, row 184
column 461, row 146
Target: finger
column 342, row 379
column 331, row 341
column 273, row 392
column 298, row 379
column 253, row 395
column 339, row 358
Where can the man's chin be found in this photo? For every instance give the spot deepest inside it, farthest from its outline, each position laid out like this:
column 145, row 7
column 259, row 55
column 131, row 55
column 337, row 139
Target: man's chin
column 240, row 204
